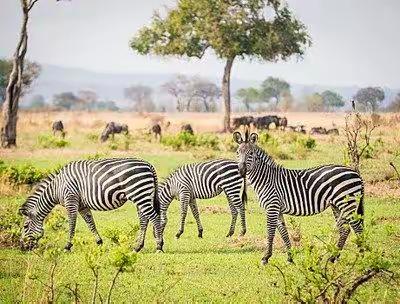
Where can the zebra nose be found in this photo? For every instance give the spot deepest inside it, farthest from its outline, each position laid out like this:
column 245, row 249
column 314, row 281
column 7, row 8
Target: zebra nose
column 242, row 169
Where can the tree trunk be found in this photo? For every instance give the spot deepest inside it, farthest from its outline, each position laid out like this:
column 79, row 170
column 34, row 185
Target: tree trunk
column 14, row 87
column 206, row 107
column 226, row 94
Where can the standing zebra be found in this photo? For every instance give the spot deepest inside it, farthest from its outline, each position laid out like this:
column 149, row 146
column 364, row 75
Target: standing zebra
column 204, row 180
column 82, row 186
column 301, row 192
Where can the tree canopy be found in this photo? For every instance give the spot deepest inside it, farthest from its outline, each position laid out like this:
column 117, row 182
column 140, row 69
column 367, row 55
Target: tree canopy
column 369, row 98
column 31, row 73
column 259, row 29
column 274, row 88
column 332, row 100
column 141, row 95
column 248, row 96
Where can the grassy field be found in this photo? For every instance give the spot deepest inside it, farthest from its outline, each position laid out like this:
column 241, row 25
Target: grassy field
column 215, row 268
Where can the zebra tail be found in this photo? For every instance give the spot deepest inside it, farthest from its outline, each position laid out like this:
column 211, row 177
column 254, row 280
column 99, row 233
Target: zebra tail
column 244, row 193
column 156, row 201
column 360, row 208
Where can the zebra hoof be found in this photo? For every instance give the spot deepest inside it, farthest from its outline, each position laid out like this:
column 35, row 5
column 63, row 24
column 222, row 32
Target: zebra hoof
column 200, row 235
column 333, row 258
column 159, row 251
column 178, row 235
column 138, row 248
column 68, row 247
column 290, row 260
column 242, row 233
column 99, row 242
column 264, row 261
column 230, row 233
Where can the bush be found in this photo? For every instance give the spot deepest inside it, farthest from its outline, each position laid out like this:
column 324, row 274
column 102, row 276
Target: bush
column 49, row 141
column 185, row 140
column 22, row 175
column 10, row 226
column 93, row 137
column 271, row 145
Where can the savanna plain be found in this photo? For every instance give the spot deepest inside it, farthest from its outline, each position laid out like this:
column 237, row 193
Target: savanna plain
column 211, row 269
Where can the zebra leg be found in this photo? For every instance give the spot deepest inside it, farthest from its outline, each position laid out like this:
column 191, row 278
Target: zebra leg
column 72, row 208
column 88, row 217
column 185, row 200
column 272, row 216
column 342, row 224
column 234, row 214
column 285, row 236
column 242, row 213
column 196, row 215
column 143, row 222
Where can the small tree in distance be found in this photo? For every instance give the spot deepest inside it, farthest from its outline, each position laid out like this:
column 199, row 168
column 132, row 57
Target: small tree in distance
column 231, row 28
column 248, row 96
column 332, row 100
column 141, row 95
column 274, row 88
column 369, row 98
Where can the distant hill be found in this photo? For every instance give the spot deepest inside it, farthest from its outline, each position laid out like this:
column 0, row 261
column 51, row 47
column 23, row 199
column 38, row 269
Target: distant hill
column 56, row 79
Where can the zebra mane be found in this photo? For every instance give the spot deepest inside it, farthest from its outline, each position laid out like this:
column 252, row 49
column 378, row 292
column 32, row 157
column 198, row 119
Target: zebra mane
column 36, row 193
column 268, row 159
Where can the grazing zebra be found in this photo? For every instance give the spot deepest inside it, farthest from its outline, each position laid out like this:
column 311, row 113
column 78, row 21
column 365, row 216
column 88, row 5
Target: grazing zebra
column 204, row 180
column 301, row 192
column 82, row 186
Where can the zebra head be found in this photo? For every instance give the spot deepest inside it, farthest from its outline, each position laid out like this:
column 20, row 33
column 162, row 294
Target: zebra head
column 246, row 151
column 32, row 230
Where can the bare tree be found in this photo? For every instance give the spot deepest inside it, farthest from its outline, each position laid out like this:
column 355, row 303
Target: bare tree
column 141, row 95
column 358, row 134
column 15, row 81
column 206, row 91
column 177, row 87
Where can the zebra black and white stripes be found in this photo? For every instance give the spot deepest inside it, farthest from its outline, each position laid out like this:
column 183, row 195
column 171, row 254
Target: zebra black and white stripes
column 82, row 186
column 301, row 192
column 204, row 180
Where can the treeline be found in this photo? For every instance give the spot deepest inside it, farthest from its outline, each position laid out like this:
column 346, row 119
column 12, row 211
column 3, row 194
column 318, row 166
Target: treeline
column 197, row 94
column 275, row 94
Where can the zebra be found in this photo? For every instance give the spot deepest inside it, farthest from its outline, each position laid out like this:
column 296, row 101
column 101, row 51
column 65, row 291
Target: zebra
column 204, row 180
column 301, row 192
column 82, row 186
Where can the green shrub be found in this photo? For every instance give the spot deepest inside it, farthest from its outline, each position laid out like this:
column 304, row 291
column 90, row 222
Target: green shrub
column 26, row 174
column 10, row 226
column 185, row 140
column 93, row 137
column 49, row 141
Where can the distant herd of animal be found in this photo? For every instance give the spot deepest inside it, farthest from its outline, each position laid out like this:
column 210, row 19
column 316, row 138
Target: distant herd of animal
column 261, row 123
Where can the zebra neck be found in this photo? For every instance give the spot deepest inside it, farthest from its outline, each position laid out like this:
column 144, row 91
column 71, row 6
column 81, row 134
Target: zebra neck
column 47, row 201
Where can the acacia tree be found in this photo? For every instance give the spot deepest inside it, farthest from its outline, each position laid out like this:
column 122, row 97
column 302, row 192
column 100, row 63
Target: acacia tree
column 141, row 95
column 260, row 29
column 274, row 88
column 15, row 82
column 248, row 96
column 332, row 100
column 369, row 98
column 207, row 92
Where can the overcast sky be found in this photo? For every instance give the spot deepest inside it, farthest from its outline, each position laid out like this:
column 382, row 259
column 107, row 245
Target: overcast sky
column 355, row 42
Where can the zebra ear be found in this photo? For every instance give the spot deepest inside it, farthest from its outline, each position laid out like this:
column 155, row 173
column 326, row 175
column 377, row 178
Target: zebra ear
column 253, row 138
column 237, row 137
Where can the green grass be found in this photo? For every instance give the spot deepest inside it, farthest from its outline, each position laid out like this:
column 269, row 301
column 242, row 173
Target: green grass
column 212, row 269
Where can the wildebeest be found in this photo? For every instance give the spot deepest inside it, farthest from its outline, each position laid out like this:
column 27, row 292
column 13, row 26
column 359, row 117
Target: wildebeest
column 242, row 121
column 58, row 126
column 299, row 129
column 187, row 128
column 264, row 122
column 283, row 122
column 333, row 131
column 113, row 128
column 156, row 130
column 318, row 130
